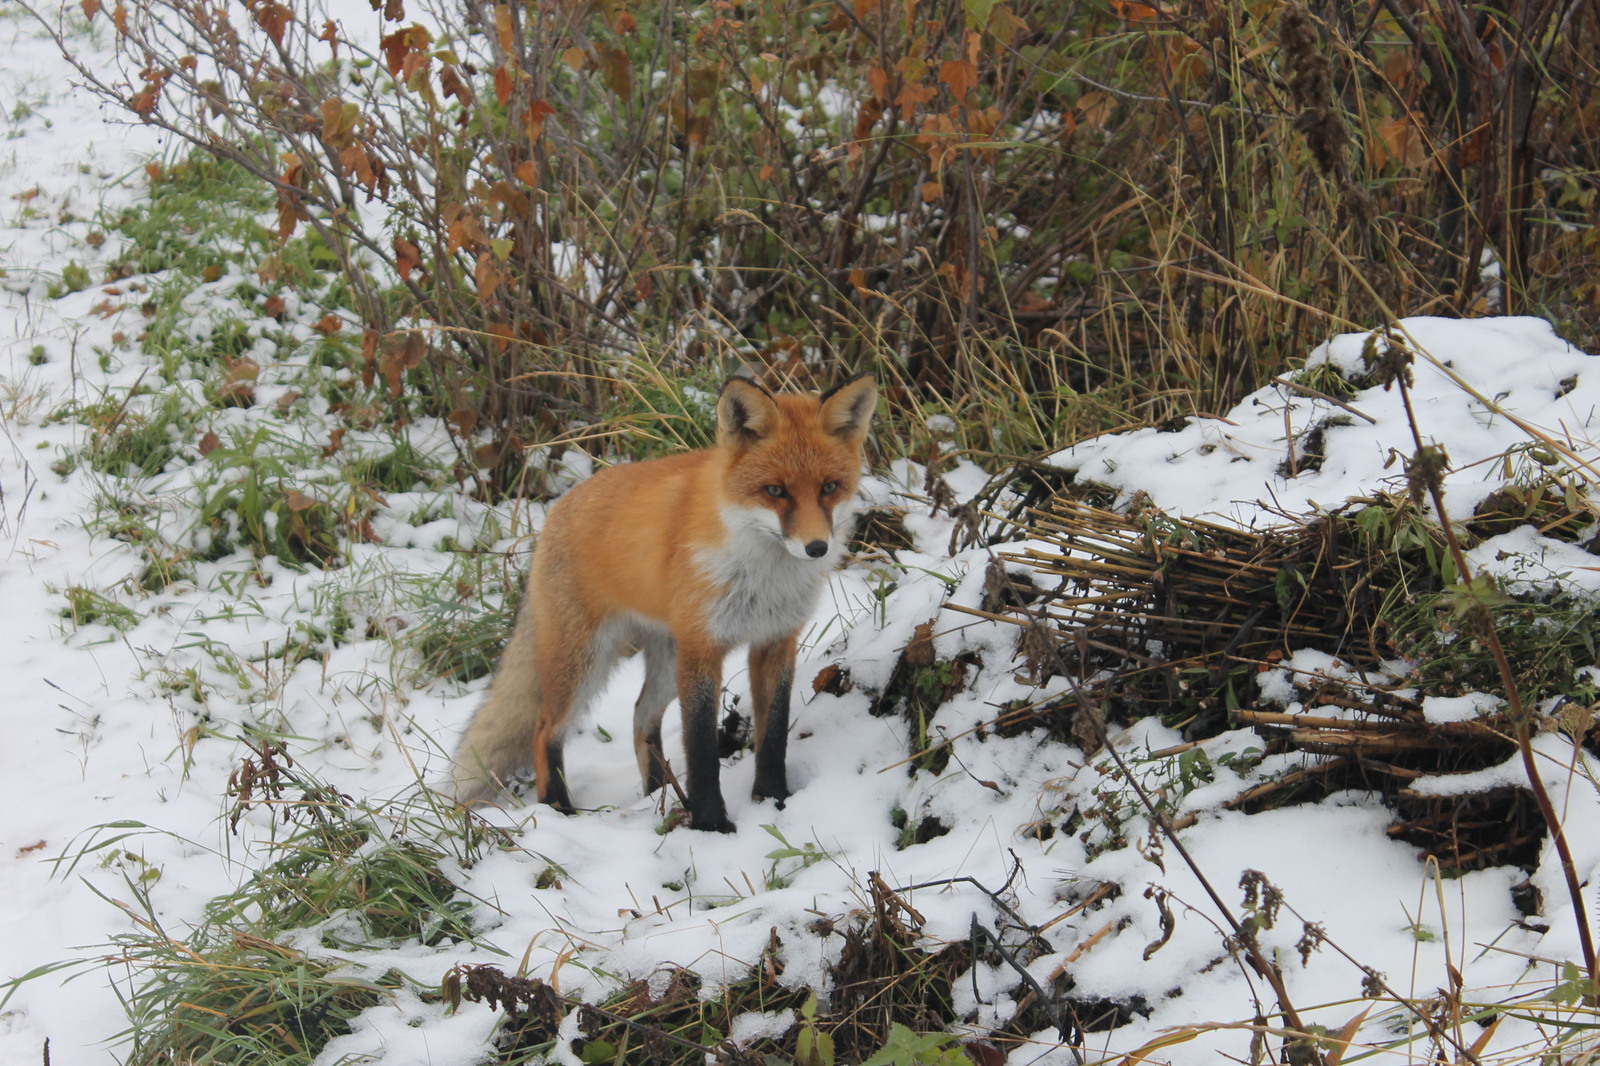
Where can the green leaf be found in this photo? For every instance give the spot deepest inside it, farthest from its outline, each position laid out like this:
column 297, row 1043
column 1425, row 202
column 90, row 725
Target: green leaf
column 597, row 1051
column 978, row 12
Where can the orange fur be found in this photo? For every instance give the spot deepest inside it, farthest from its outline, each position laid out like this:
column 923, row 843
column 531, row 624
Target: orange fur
column 685, row 557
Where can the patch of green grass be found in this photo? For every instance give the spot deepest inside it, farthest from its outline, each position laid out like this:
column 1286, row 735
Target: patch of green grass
column 1548, row 641
column 245, row 985
column 196, row 212
column 253, row 500
column 74, row 278
column 130, row 439
column 463, row 624
column 86, row 607
column 402, row 468
column 220, row 997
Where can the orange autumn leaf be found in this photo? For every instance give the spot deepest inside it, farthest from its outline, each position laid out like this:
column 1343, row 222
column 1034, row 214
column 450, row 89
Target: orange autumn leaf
column 960, row 76
column 1133, row 11
column 274, row 18
column 407, row 257
column 486, row 276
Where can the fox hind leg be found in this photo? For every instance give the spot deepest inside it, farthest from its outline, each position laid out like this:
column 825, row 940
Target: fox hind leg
column 575, row 658
column 660, row 686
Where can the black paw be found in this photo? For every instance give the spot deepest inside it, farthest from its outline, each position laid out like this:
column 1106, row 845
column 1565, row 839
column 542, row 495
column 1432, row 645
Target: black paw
column 712, row 824
column 777, row 791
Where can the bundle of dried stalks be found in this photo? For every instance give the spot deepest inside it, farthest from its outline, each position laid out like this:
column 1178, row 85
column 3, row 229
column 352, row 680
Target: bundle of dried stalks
column 1153, row 615
column 1171, row 617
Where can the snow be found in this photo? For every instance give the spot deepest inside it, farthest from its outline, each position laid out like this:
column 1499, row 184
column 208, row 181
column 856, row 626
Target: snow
column 105, row 740
column 1232, row 467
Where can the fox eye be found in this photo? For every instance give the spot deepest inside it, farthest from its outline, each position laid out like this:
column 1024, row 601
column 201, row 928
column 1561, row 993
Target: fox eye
column 830, row 487
column 777, row 492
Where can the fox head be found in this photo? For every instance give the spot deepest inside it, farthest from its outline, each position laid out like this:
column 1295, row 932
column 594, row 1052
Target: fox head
column 794, row 460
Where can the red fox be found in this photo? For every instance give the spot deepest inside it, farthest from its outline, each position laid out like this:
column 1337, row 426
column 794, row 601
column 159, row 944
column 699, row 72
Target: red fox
column 686, row 558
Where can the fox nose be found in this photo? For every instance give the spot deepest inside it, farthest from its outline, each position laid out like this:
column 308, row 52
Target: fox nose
column 817, row 549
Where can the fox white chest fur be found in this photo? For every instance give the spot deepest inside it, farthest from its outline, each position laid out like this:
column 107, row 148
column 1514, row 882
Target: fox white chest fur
column 766, row 591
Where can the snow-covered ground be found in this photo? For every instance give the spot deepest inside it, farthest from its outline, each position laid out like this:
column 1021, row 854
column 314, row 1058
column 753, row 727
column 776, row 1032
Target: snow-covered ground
column 97, row 732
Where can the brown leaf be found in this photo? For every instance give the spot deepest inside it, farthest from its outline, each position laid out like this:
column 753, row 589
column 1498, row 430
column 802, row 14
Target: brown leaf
column 919, row 649
column 463, row 420
column 369, row 355
column 1132, row 11
column 615, row 70
column 209, row 443
column 1096, row 108
column 452, row 85
column 408, row 257
column 984, row 1054
column 878, row 82
column 355, row 160
column 486, row 276
column 90, row 9
column 298, row 501
column 913, row 95
column 538, row 111
column 335, row 439
column 329, row 324
column 832, row 679
column 401, row 48
column 401, row 352
column 502, row 84
column 238, row 388
column 960, row 74
column 145, row 100
column 503, row 29
column 274, row 18
column 338, row 121
column 500, row 335
column 463, row 229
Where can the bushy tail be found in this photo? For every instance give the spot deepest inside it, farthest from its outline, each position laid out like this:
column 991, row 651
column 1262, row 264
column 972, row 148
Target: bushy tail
column 498, row 744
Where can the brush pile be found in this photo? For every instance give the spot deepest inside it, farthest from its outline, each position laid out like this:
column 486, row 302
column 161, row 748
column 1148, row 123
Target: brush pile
column 1153, row 615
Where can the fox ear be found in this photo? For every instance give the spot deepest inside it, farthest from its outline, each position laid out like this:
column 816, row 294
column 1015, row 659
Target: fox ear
column 847, row 409
column 746, row 412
